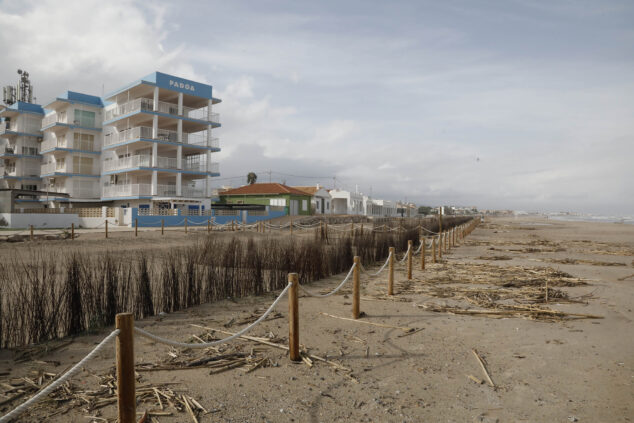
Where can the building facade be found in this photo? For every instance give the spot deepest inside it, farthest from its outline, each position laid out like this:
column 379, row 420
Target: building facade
column 71, row 149
column 148, row 145
column 20, row 136
column 346, row 202
column 320, row 198
column 277, row 196
column 158, row 143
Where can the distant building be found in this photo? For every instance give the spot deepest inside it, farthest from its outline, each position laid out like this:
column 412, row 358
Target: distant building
column 346, row 202
column 320, row 202
column 294, row 201
column 20, row 137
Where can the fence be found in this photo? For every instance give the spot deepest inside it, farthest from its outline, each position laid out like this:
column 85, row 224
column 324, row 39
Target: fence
column 125, row 329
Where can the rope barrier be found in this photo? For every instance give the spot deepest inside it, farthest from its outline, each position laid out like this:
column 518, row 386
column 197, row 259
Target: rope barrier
column 387, row 261
column 56, row 384
column 310, row 294
column 212, row 343
column 405, row 256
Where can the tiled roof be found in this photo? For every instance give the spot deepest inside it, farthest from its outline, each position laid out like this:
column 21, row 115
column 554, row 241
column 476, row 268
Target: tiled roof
column 308, row 190
column 264, row 189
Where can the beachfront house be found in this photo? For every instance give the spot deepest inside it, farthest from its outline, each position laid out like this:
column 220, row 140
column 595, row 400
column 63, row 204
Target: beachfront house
column 320, row 198
column 292, row 200
column 346, row 202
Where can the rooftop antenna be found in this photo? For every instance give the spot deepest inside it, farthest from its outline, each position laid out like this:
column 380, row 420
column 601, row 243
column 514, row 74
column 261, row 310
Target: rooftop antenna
column 22, row 91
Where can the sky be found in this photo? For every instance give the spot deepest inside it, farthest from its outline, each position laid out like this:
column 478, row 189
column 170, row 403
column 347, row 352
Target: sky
column 517, row 104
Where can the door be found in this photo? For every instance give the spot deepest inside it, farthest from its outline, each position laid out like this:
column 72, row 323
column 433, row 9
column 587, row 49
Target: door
column 294, row 207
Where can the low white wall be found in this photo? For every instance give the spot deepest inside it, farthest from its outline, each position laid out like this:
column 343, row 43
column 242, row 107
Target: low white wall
column 96, row 222
column 40, row 220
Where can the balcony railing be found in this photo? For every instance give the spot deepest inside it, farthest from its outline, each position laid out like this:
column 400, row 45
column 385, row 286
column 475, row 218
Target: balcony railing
column 189, row 191
column 51, row 143
column 64, row 118
column 5, row 149
column 52, row 168
column 127, row 190
column 162, row 135
column 166, row 190
column 132, row 162
column 147, row 104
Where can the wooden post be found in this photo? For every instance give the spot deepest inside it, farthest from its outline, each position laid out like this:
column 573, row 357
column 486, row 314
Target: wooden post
column 361, row 228
column 410, row 253
column 422, row 253
column 352, row 229
column 136, row 227
column 162, row 226
column 72, row 231
column 440, row 219
column 440, row 245
column 433, row 248
column 232, row 229
column 291, row 226
column 546, row 291
column 185, row 225
column 106, row 228
column 208, row 225
column 31, row 226
column 390, row 277
column 293, row 318
column 125, row 368
column 356, row 288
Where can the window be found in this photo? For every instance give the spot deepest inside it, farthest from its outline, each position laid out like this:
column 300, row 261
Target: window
column 82, row 164
column 304, row 205
column 278, row 202
column 60, row 164
column 84, row 118
column 32, row 151
column 29, row 187
column 84, row 142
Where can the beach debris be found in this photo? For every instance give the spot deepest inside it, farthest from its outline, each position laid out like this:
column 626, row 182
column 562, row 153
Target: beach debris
column 503, row 310
column 382, row 325
column 483, row 365
column 159, row 399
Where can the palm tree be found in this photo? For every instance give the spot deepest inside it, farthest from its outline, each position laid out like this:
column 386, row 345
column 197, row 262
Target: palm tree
column 251, row 178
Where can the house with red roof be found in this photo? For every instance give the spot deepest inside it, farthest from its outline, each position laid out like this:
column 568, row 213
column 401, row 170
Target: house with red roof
column 276, row 196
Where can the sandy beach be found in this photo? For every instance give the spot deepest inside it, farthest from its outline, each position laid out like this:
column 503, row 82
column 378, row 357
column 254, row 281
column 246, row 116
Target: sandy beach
column 421, row 364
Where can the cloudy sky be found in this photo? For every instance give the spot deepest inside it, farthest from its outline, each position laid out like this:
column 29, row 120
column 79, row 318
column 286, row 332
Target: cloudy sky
column 499, row 104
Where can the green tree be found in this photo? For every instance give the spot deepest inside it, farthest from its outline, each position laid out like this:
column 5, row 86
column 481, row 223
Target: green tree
column 251, row 178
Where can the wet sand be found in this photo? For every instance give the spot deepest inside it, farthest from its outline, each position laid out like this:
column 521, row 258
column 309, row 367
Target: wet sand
column 566, row 370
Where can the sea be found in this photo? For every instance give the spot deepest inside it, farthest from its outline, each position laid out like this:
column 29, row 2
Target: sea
column 579, row 217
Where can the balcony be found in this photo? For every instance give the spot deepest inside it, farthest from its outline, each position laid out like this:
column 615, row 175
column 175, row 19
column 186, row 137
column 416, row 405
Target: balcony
column 63, row 118
column 127, row 190
column 48, row 168
column 147, row 105
column 137, row 161
column 51, row 143
column 145, row 132
column 190, row 191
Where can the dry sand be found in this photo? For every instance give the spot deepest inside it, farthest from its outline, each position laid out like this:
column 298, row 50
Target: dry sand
column 576, row 370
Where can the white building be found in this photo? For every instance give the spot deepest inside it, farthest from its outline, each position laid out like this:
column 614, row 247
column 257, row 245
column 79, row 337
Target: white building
column 387, row 207
column 346, row 202
column 71, row 148
column 20, row 137
column 158, row 143
column 320, row 198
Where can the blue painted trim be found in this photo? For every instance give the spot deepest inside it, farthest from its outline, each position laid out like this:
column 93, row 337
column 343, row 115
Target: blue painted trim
column 21, row 134
column 142, row 197
column 70, row 126
column 70, row 175
column 151, row 112
column 69, row 150
column 200, row 147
